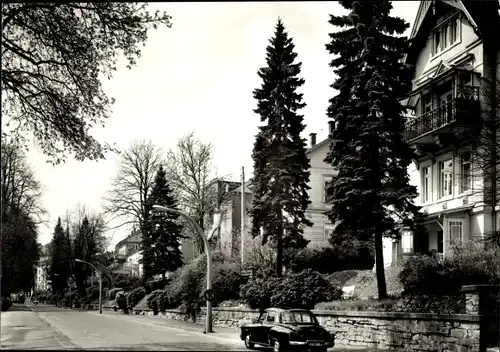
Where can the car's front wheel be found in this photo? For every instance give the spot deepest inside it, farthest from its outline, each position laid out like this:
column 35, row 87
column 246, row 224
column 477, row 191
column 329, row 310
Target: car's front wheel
column 277, row 346
column 249, row 344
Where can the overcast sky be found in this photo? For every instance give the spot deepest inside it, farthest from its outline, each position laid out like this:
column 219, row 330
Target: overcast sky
column 199, row 76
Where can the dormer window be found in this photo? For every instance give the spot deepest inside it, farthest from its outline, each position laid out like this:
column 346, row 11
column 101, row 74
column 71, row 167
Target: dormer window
column 446, row 34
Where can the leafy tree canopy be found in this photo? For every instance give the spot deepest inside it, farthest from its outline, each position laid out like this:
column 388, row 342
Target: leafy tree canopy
column 53, row 59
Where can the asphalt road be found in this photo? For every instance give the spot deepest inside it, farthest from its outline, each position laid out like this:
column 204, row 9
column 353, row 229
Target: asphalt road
column 52, row 328
column 48, row 327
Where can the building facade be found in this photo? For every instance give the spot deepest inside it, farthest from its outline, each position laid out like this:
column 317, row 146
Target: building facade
column 128, row 254
column 229, row 231
column 42, row 282
column 321, row 174
column 454, row 65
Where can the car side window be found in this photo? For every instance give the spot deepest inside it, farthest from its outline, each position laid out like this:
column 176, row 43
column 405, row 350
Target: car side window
column 263, row 317
column 270, row 318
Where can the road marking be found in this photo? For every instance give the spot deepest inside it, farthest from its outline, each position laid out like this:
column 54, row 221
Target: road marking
column 182, row 334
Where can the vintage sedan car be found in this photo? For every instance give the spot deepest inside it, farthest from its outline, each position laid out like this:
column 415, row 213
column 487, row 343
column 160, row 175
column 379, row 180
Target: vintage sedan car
column 286, row 330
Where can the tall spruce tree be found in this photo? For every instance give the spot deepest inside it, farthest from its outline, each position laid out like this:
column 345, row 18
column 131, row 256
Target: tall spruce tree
column 281, row 166
column 59, row 269
column 161, row 250
column 372, row 192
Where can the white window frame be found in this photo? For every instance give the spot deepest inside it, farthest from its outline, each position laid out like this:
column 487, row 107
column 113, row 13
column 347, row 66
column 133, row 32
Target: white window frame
column 442, row 170
column 407, row 242
column 454, row 225
column 465, row 185
column 327, row 229
column 444, row 33
column 326, row 179
column 426, row 104
column 426, row 188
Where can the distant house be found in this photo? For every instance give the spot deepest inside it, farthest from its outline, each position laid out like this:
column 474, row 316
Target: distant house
column 229, row 211
column 230, row 229
column 321, row 172
column 42, row 283
column 128, row 254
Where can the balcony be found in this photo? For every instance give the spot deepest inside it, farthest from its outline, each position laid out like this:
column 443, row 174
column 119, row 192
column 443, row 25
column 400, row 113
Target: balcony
column 120, row 257
column 460, row 112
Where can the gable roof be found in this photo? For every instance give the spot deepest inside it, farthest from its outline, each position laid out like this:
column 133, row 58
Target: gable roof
column 426, row 6
column 317, row 146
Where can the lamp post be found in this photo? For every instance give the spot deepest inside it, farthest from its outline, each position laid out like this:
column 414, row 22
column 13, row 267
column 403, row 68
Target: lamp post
column 199, row 230
column 100, row 281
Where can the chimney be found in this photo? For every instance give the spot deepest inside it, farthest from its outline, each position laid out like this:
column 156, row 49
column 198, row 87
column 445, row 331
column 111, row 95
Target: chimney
column 312, row 139
column 331, row 127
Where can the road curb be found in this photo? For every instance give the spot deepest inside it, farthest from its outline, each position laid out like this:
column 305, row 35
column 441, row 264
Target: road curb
column 65, row 342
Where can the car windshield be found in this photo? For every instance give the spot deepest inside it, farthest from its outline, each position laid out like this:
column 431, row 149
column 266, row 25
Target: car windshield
column 298, row 317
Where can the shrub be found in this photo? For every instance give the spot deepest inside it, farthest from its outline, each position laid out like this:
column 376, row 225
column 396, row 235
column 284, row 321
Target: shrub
column 226, row 281
column 425, row 275
column 422, row 274
column 304, row 290
column 152, row 298
column 111, row 294
column 258, row 291
column 153, row 285
column 329, row 259
column 125, row 281
column 6, row 303
column 92, row 294
column 135, row 296
column 186, row 286
column 121, row 301
column 188, row 283
column 163, row 301
column 472, row 265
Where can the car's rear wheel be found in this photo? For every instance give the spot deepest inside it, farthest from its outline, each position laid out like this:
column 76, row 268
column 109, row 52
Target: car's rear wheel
column 249, row 344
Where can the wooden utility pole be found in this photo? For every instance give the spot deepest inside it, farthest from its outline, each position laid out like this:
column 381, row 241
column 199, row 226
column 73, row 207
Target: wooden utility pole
column 242, row 230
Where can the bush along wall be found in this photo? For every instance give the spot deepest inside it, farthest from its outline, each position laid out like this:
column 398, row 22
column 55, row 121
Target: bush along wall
column 302, row 290
column 434, row 286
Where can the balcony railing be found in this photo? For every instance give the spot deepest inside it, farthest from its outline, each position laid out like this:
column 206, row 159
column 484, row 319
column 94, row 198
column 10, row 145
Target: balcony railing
column 443, row 115
column 120, row 257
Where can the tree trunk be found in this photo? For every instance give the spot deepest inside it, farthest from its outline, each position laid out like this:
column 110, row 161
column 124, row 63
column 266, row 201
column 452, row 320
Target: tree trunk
column 279, row 256
column 379, row 266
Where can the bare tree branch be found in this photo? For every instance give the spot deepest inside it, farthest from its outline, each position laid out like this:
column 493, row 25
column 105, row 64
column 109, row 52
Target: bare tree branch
column 131, row 186
column 191, row 172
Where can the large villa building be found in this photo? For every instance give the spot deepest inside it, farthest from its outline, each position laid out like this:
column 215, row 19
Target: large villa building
column 456, row 59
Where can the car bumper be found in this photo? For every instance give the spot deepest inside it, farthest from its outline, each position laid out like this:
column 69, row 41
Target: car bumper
column 308, row 344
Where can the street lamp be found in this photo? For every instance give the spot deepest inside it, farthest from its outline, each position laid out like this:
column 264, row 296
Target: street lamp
column 199, row 230
column 100, row 281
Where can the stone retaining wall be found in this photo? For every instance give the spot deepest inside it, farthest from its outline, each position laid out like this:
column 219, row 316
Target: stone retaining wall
column 385, row 330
